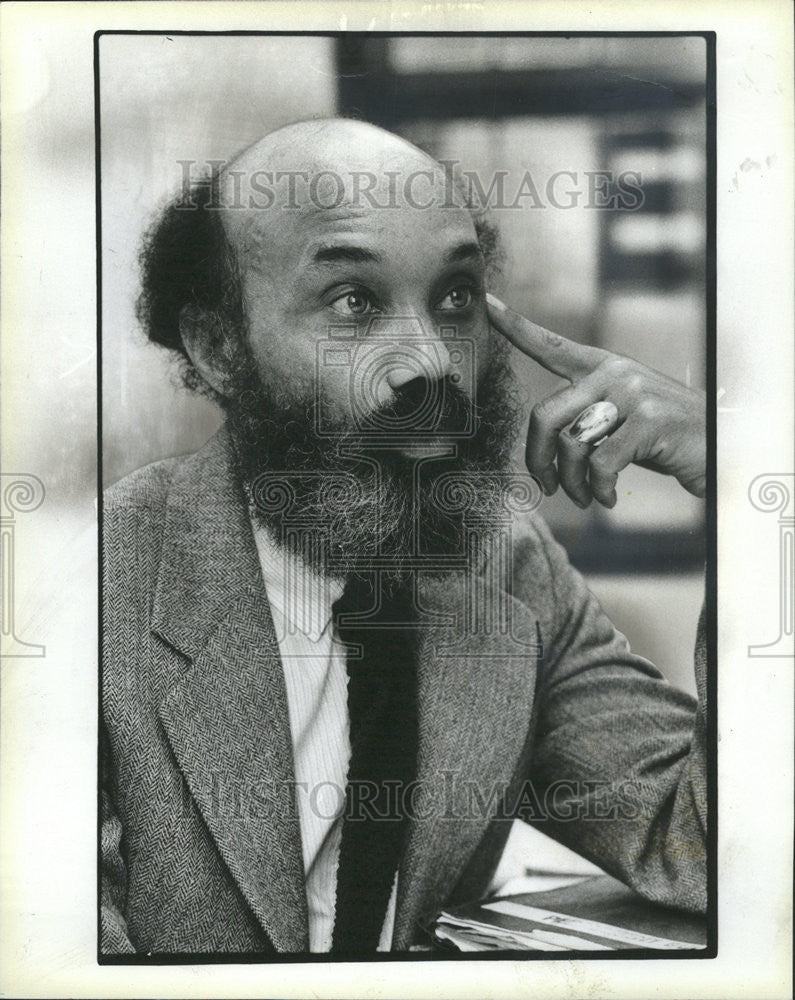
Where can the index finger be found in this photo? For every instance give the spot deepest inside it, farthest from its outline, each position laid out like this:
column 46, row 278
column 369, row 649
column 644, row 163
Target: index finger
column 555, row 353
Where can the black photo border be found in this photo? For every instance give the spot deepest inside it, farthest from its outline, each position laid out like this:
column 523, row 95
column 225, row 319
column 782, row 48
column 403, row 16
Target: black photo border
column 711, row 527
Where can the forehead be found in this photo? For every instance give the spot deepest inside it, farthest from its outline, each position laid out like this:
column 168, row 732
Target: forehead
column 392, row 212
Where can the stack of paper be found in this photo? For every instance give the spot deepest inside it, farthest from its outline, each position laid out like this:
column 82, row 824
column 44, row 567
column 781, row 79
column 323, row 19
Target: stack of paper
column 531, row 923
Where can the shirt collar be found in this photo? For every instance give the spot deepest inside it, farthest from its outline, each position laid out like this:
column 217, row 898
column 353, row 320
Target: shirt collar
column 301, row 596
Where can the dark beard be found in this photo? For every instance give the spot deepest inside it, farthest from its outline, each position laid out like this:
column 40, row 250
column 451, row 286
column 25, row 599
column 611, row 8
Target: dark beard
column 346, row 503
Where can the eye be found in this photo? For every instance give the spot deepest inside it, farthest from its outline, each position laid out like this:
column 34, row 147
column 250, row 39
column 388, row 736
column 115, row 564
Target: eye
column 460, row 297
column 353, row 303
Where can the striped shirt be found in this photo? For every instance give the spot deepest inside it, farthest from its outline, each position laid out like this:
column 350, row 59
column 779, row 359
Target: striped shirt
column 313, row 660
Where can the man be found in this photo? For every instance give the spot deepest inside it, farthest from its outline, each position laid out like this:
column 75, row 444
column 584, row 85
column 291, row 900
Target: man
column 335, row 667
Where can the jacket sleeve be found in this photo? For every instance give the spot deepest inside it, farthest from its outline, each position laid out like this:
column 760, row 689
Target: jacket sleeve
column 620, row 755
column 114, row 937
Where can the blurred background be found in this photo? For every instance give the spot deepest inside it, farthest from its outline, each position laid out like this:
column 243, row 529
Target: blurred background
column 631, row 280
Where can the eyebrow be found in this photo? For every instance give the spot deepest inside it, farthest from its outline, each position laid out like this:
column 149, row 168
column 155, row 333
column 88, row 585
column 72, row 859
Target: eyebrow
column 464, row 251
column 345, row 254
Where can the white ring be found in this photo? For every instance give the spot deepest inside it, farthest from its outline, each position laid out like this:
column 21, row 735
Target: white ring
column 595, row 423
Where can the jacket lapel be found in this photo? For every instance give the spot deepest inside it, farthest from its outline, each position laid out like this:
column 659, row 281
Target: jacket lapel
column 475, row 704
column 228, row 724
column 226, row 718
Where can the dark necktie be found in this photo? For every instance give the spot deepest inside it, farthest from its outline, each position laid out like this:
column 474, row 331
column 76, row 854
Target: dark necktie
column 383, row 732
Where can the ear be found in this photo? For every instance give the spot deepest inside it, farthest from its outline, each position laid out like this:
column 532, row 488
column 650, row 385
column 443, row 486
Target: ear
column 209, row 353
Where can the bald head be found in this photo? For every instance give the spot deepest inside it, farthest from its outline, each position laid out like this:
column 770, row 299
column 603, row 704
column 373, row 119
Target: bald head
column 335, row 144
column 320, row 222
column 318, row 171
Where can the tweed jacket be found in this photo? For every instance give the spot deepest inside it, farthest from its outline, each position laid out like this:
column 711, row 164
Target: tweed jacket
column 547, row 715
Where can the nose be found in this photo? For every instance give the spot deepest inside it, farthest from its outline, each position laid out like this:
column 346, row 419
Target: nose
column 429, row 360
column 398, row 349
column 413, row 349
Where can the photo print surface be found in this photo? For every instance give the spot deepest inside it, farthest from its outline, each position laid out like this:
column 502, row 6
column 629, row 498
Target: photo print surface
column 408, row 527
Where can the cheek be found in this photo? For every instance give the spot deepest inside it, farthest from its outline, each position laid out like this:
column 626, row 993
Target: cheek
column 285, row 350
column 302, row 364
column 351, row 378
column 284, row 363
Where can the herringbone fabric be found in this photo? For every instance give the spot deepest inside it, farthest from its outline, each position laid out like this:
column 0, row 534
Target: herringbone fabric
column 201, row 845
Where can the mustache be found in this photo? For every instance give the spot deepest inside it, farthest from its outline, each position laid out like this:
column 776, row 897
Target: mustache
column 275, row 429
column 422, row 405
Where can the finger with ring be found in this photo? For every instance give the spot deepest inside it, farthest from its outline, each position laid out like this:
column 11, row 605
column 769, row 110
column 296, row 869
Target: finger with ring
column 595, row 423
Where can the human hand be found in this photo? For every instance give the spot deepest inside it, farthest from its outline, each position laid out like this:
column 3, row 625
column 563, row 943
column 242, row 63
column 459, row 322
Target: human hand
column 657, row 423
